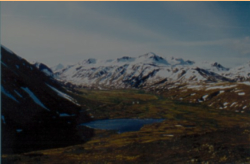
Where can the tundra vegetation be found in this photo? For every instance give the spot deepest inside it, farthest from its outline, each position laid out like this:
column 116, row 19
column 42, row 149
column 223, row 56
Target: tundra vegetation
column 194, row 131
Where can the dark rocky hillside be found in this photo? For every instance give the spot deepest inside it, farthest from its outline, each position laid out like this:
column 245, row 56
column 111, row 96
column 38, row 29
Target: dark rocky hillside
column 37, row 113
column 44, row 68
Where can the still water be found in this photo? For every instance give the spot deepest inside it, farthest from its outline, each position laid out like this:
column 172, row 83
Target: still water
column 121, row 125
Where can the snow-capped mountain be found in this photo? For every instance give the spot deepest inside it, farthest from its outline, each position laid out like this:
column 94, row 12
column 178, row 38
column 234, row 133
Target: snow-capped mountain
column 179, row 61
column 57, row 67
column 240, row 73
column 142, row 71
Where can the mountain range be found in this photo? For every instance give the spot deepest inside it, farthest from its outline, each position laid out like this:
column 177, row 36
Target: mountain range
column 146, row 71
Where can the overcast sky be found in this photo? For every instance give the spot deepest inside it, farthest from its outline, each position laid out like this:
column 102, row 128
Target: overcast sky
column 69, row 32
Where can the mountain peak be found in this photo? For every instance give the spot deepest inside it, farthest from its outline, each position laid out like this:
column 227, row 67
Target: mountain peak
column 153, row 58
column 219, row 66
column 148, row 55
column 180, row 61
column 89, row 61
column 125, row 59
column 57, row 67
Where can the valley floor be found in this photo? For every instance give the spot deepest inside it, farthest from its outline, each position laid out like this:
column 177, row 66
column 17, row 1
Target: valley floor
column 191, row 132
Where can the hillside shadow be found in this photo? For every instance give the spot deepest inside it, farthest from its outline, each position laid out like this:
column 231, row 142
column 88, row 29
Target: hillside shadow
column 60, row 132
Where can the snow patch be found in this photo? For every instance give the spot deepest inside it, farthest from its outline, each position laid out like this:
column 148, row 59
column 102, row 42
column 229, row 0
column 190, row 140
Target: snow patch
column 18, row 94
column 171, row 87
column 220, row 87
column 4, row 64
column 194, row 87
column 65, row 115
column 3, row 118
column 221, row 92
column 35, row 99
column 47, row 72
column 211, row 104
column 246, row 82
column 204, row 97
column 241, row 93
column 8, row 94
column 233, row 104
column 19, row 130
column 61, row 94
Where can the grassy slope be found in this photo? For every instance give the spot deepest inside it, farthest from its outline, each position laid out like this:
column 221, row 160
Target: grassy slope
column 191, row 133
column 216, row 98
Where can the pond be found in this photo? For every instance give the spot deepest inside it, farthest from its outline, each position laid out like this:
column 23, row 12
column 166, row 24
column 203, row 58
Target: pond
column 121, row 125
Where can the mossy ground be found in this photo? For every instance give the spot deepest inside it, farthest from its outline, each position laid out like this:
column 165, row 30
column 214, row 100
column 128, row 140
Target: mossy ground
column 191, row 133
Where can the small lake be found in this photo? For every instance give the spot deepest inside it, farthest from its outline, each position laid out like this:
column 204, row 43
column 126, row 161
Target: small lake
column 121, row 125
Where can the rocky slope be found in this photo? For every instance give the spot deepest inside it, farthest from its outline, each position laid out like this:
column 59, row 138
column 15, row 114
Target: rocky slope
column 37, row 112
column 45, row 69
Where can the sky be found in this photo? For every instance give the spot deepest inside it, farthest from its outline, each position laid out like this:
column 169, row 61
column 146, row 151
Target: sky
column 69, row 32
